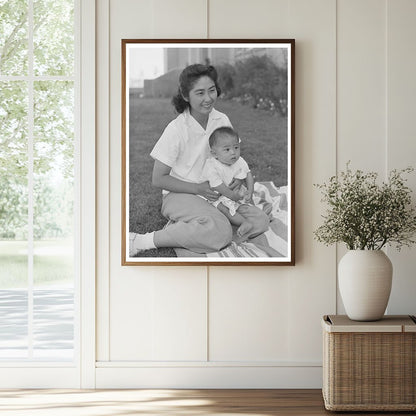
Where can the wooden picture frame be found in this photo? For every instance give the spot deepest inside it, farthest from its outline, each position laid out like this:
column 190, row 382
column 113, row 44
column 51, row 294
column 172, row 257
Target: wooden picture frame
column 256, row 80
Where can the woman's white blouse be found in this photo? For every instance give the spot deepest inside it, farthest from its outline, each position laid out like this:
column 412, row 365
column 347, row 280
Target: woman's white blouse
column 184, row 144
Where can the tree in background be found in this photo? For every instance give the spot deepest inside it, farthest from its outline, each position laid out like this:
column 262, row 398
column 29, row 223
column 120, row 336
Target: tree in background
column 226, row 75
column 13, row 159
column 53, row 120
column 256, row 81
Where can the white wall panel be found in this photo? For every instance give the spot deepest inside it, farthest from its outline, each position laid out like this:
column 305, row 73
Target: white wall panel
column 159, row 316
column 131, row 317
column 401, row 140
column 361, row 84
column 312, row 24
column 312, row 283
column 180, row 315
column 151, row 19
column 208, row 377
column 355, row 88
column 248, row 20
column 248, row 314
column 179, row 19
column 144, row 322
column 361, row 89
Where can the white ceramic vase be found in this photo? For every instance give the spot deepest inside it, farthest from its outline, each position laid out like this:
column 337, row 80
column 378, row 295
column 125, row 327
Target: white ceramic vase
column 364, row 278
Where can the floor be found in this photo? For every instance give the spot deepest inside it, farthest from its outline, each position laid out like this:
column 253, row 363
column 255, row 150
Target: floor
column 53, row 335
column 166, row 402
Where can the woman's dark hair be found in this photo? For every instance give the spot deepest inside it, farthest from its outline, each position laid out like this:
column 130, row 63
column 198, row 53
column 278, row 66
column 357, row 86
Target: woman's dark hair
column 187, row 79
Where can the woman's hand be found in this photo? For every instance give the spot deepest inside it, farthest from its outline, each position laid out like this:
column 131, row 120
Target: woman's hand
column 204, row 190
column 248, row 198
column 236, row 196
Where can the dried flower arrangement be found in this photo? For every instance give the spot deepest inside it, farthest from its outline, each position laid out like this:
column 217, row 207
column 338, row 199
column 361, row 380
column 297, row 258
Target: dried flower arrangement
column 366, row 215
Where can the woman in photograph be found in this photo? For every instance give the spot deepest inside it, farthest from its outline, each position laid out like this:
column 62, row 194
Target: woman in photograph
column 179, row 157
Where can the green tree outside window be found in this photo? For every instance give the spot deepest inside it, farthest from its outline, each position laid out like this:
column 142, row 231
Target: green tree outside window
column 36, row 60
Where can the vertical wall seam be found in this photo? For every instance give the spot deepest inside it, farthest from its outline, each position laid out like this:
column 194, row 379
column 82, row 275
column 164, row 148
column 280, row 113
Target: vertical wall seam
column 386, row 96
column 207, row 12
column 386, row 5
column 108, row 20
column 102, row 171
column 88, row 192
column 336, row 141
column 207, row 318
column 207, row 268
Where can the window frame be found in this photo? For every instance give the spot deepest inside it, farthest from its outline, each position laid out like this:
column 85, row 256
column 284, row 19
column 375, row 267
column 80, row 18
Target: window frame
column 81, row 371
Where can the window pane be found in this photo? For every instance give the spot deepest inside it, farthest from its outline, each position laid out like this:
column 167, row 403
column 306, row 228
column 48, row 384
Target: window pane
column 13, row 37
column 47, row 134
column 13, row 323
column 53, row 320
column 53, row 175
column 53, row 197
column 53, row 37
column 54, row 127
column 13, row 184
column 13, row 220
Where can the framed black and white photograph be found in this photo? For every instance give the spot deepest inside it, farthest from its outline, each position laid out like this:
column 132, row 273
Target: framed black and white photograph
column 208, row 152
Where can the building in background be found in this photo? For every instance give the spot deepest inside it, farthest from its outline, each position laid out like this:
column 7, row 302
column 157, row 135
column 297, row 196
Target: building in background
column 176, row 59
column 181, row 57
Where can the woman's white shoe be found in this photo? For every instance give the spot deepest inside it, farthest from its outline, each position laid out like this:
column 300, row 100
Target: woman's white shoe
column 139, row 243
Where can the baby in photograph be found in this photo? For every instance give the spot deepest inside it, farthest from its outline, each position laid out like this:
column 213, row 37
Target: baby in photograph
column 225, row 165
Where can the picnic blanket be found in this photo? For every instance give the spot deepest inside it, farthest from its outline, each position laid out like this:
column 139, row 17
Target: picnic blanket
column 272, row 243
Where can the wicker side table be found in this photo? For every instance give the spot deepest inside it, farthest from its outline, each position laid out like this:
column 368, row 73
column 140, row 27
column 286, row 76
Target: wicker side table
column 369, row 366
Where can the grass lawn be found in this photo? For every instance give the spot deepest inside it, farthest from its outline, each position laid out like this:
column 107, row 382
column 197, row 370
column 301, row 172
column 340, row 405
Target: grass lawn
column 263, row 140
column 264, row 147
column 52, row 263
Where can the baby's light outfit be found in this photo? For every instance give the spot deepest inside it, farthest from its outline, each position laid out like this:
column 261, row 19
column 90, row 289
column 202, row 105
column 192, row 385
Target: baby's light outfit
column 217, row 173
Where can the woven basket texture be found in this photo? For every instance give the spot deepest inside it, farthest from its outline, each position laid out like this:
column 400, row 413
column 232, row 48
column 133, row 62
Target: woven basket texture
column 369, row 371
